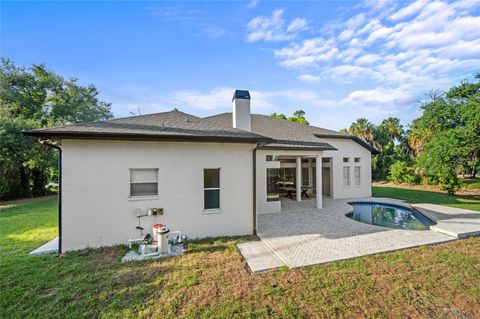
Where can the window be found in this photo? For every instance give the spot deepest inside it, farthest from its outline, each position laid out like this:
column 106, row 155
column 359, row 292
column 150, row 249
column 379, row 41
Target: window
column 211, row 188
column 357, row 175
column 273, row 176
column 346, row 159
column 144, row 182
column 346, row 176
column 269, row 158
column 357, row 159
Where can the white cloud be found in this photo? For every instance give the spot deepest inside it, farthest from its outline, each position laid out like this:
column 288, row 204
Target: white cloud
column 214, row 32
column 252, row 3
column 409, row 10
column 426, row 42
column 274, row 28
column 367, row 59
column 393, row 51
column 308, row 53
column 377, row 97
column 216, row 99
column 309, row 78
column 345, row 35
column 296, row 25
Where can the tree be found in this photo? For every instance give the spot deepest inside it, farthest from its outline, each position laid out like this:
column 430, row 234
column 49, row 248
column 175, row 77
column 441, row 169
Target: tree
column 442, row 157
column 363, row 129
column 40, row 94
column 393, row 129
column 298, row 117
column 458, row 109
column 279, row 116
column 36, row 98
column 385, row 137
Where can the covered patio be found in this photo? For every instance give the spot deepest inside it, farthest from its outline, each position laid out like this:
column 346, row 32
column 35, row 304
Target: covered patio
column 291, row 176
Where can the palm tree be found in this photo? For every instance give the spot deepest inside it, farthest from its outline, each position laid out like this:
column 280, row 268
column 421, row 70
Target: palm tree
column 363, row 129
column 393, row 129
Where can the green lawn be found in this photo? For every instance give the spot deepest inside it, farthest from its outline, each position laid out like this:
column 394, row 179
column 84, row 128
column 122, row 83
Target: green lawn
column 210, row 281
column 413, row 195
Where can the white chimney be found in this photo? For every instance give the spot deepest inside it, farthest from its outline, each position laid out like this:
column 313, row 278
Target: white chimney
column 241, row 110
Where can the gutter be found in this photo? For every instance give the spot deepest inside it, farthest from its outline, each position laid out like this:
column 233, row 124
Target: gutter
column 255, row 190
column 59, row 192
column 148, row 137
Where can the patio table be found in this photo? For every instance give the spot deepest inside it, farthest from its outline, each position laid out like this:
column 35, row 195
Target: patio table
column 292, row 190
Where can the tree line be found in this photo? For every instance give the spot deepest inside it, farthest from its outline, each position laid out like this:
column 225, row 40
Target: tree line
column 32, row 98
column 437, row 147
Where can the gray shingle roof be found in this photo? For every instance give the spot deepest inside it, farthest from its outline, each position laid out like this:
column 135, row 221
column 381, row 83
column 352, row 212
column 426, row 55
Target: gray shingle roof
column 166, row 125
column 276, row 128
column 290, row 134
column 175, row 125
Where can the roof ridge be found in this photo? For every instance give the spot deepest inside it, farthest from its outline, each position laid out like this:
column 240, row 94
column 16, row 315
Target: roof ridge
column 120, row 118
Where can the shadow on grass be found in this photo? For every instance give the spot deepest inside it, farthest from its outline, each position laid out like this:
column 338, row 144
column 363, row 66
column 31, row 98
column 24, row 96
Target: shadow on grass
column 211, row 244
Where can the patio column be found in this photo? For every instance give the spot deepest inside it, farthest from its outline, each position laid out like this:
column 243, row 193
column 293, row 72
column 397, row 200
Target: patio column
column 299, row 179
column 318, row 176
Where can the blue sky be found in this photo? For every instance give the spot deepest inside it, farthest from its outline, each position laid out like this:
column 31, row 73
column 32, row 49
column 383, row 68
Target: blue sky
column 336, row 60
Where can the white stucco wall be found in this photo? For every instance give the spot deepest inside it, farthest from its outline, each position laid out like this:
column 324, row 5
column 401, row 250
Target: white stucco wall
column 97, row 210
column 351, row 149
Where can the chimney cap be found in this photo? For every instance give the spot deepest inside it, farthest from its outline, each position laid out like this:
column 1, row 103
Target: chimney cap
column 241, row 94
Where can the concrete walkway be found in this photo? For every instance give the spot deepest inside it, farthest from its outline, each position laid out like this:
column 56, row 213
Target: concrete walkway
column 48, row 248
column 302, row 235
column 259, row 256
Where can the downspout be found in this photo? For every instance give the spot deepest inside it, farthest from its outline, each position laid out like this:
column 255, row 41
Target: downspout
column 255, row 190
column 59, row 193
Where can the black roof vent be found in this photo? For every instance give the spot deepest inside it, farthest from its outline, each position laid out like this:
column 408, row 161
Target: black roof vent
column 241, row 94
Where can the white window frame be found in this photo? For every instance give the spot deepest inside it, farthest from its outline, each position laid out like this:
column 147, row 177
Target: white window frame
column 359, row 168
column 213, row 210
column 141, row 197
column 346, row 182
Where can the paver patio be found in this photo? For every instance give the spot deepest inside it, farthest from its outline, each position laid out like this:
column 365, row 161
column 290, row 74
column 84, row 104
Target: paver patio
column 303, row 235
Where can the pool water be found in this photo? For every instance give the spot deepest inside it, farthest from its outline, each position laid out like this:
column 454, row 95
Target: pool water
column 389, row 215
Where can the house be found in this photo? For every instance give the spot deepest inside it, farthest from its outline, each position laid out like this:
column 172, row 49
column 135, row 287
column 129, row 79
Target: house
column 206, row 176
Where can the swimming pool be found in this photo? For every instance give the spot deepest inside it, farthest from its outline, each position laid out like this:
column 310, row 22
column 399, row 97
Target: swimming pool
column 389, row 215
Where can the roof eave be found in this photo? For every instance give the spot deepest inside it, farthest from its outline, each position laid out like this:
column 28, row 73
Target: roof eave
column 297, row 148
column 145, row 137
column 352, row 137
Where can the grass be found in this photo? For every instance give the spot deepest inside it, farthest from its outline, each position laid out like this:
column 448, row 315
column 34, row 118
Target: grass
column 210, row 281
column 414, row 195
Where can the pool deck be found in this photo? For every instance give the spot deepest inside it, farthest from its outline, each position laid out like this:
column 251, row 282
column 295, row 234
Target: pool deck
column 455, row 222
column 303, row 235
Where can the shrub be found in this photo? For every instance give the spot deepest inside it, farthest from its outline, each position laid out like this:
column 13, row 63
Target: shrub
column 397, row 172
column 401, row 173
